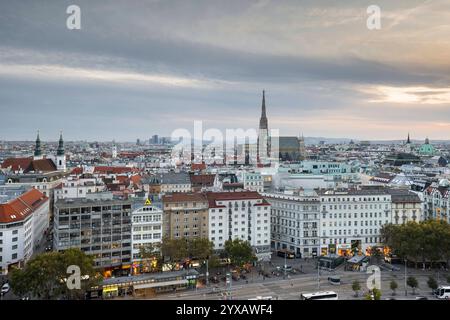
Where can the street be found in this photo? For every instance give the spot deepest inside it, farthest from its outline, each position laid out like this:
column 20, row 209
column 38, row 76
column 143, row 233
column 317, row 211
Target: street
column 295, row 284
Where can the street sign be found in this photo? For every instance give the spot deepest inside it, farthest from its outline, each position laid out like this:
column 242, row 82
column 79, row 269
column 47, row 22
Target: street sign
column 148, row 202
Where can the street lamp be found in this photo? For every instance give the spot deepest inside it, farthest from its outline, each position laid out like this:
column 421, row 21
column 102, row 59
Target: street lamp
column 285, row 266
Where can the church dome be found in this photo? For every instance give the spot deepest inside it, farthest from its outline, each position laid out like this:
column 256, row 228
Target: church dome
column 427, row 149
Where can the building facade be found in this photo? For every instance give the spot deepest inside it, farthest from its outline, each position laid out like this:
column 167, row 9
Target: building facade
column 185, row 215
column 23, row 222
column 146, row 228
column 295, row 223
column 350, row 220
column 99, row 227
column 240, row 215
column 406, row 206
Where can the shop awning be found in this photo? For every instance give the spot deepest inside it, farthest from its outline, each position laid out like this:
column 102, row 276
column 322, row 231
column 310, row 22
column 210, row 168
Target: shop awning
column 159, row 284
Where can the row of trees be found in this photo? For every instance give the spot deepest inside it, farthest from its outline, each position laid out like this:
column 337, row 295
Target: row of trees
column 175, row 250
column 426, row 241
column 45, row 276
column 410, row 282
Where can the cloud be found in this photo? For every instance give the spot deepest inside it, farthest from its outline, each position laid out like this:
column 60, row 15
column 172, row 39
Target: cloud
column 409, row 95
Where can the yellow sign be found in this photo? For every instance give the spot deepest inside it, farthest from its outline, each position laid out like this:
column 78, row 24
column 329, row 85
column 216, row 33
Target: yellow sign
column 110, row 289
column 148, row 202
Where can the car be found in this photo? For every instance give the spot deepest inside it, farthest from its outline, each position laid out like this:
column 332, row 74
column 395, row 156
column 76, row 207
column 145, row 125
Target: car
column 5, row 288
column 48, row 249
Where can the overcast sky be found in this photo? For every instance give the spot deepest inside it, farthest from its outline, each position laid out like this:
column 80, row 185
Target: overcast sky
column 138, row 68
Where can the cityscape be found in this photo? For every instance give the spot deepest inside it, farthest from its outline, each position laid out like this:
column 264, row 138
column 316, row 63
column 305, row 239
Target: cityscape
column 212, row 166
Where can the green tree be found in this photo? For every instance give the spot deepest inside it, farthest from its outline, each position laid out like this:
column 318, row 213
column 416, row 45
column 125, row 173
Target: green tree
column 432, row 283
column 394, row 286
column 200, row 248
column 356, row 287
column 174, row 250
column 149, row 253
column 412, row 282
column 374, row 294
column 44, row 276
column 240, row 252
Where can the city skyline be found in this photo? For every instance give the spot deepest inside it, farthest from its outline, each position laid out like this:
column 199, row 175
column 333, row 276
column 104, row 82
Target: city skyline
column 164, row 65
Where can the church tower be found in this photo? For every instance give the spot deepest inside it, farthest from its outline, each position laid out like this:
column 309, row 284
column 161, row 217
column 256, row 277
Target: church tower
column 114, row 150
column 263, row 134
column 61, row 155
column 37, row 149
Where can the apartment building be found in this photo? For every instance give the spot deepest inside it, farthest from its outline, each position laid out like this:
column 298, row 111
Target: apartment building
column 350, row 220
column 406, row 206
column 23, row 222
column 146, row 228
column 295, row 223
column 240, row 215
column 437, row 201
column 98, row 226
column 185, row 215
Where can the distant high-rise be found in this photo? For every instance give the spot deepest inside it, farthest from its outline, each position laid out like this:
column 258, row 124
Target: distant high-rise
column 155, row 139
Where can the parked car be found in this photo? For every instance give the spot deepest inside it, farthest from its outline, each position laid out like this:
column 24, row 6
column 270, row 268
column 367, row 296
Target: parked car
column 5, row 288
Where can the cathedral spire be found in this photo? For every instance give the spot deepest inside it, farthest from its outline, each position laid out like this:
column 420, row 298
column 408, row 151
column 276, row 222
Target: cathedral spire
column 37, row 148
column 263, row 119
column 408, row 140
column 60, row 151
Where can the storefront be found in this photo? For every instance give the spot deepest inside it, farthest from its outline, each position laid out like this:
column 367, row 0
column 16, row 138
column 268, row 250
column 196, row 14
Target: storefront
column 148, row 285
column 344, row 250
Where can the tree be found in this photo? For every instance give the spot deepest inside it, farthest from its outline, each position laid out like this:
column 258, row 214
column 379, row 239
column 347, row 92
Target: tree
column 174, row 249
column 432, row 283
column 412, row 282
column 240, row 252
column 149, row 254
column 200, row 248
column 44, row 276
column 356, row 287
column 374, row 294
column 394, row 286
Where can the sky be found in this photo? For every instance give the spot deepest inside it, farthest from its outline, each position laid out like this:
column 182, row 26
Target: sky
column 138, row 68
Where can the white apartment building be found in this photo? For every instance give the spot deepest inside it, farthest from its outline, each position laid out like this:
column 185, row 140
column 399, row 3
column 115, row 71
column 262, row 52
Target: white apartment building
column 437, row 201
column 146, row 228
column 252, row 181
column 351, row 220
column 74, row 187
column 295, row 223
column 22, row 225
column 240, row 215
column 406, row 206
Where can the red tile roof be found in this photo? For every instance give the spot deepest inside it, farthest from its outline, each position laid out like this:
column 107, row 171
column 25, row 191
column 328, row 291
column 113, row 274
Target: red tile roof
column 17, row 164
column 213, row 197
column 198, row 166
column 203, row 179
column 184, row 197
column 21, row 207
column 44, row 165
column 114, row 170
column 77, row 171
column 28, row 165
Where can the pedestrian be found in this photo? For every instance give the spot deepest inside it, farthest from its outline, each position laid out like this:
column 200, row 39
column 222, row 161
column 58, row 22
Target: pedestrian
column 292, row 284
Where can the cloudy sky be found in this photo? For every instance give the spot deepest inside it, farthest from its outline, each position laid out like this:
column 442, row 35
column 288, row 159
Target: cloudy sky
column 138, row 68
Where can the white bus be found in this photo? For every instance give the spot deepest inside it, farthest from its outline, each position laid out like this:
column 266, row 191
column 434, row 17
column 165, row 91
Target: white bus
column 326, row 295
column 443, row 292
